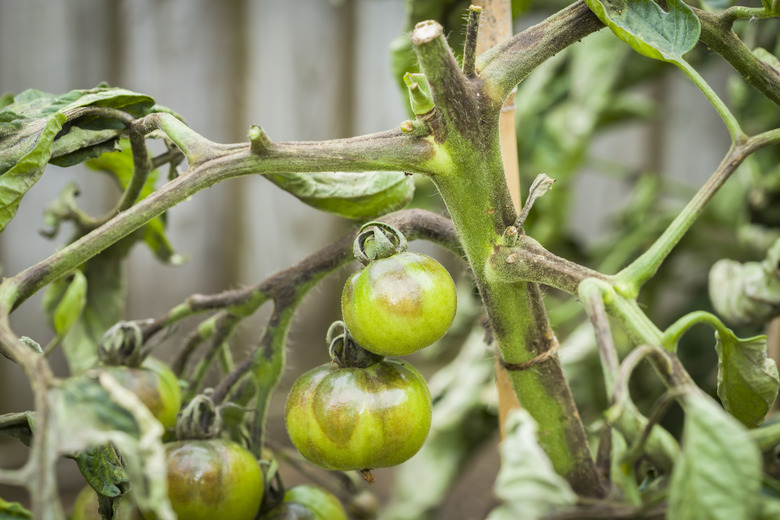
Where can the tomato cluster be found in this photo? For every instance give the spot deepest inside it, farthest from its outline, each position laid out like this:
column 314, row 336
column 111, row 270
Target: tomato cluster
column 363, row 411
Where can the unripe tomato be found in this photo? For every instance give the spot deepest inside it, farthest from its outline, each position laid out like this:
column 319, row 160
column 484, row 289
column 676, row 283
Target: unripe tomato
column 359, row 418
column 213, row 479
column 399, row 304
column 155, row 385
column 307, row 501
column 86, row 507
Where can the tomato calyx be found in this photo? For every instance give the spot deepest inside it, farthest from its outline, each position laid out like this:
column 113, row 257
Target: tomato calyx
column 345, row 351
column 200, row 420
column 121, row 345
column 377, row 240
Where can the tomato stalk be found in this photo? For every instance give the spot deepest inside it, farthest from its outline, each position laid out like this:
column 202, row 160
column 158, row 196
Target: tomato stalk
column 465, row 126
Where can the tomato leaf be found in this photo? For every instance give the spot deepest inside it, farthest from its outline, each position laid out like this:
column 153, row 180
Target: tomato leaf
column 102, row 467
column 648, row 29
column 748, row 380
column 72, row 303
column 527, row 482
column 33, row 130
column 13, row 511
column 18, row 425
column 718, row 475
column 354, row 195
column 28, row 157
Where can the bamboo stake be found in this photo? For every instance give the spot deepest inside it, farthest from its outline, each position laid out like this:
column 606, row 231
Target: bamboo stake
column 495, row 27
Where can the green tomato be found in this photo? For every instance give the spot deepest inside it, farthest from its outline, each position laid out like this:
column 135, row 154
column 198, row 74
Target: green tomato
column 85, row 507
column 155, row 385
column 307, row 502
column 213, row 479
column 400, row 304
column 359, row 418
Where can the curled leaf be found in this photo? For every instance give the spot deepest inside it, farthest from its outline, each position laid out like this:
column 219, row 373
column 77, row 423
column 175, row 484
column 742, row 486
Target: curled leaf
column 648, row 29
column 359, row 196
column 747, row 293
column 748, row 380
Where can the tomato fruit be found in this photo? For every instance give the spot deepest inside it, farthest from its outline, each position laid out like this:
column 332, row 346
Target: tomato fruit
column 155, row 385
column 399, row 304
column 210, row 479
column 85, row 507
column 307, row 502
column 359, row 418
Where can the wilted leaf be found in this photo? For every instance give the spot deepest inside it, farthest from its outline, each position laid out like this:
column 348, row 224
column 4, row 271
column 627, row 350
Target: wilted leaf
column 30, row 124
column 72, row 303
column 22, row 164
column 718, row 475
column 18, row 425
column 748, row 380
column 527, row 482
column 13, row 511
column 648, row 29
column 361, row 195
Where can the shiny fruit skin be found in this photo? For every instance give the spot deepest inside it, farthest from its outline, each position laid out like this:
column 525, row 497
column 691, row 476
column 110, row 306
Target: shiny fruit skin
column 213, row 479
column 400, row 304
column 307, row 501
column 155, row 385
column 359, row 418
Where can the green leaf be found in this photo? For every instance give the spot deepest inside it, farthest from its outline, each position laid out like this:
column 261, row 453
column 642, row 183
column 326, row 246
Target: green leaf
column 361, row 195
column 527, row 482
column 18, row 425
column 72, row 303
column 13, row 511
column 648, row 29
column 30, row 124
column 718, row 475
column 28, row 158
column 748, row 380
column 102, row 467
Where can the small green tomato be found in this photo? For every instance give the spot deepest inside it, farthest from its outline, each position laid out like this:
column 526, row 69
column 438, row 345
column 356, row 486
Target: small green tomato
column 400, row 304
column 359, row 418
column 210, row 479
column 307, row 502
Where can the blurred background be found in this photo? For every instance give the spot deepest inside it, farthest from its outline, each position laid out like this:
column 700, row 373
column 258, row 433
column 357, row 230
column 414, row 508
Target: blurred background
column 642, row 140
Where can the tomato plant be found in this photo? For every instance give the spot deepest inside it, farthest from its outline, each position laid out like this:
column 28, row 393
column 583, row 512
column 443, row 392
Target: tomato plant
column 576, row 439
column 359, row 418
column 210, row 479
